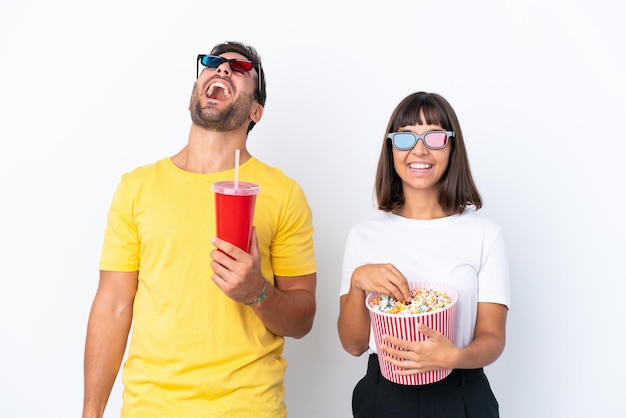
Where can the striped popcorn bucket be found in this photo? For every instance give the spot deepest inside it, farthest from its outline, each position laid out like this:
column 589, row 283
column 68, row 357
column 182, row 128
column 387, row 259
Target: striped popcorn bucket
column 404, row 326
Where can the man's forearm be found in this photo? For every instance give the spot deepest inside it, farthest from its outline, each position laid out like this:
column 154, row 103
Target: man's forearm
column 289, row 312
column 107, row 335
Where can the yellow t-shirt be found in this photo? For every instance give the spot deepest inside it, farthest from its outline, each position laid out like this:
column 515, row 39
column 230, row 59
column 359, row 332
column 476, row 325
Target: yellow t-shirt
column 193, row 351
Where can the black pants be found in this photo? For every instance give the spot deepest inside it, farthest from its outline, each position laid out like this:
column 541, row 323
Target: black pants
column 463, row 394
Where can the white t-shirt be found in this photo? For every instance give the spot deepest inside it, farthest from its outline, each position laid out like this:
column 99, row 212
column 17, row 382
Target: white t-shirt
column 464, row 251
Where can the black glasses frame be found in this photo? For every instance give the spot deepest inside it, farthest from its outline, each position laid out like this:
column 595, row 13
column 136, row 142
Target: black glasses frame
column 256, row 66
column 417, row 137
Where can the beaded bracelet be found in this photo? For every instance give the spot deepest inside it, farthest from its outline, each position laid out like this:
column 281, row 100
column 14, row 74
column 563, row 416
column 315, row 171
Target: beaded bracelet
column 261, row 296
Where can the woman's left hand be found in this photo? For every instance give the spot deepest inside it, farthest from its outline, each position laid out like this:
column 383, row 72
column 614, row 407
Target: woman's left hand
column 412, row 357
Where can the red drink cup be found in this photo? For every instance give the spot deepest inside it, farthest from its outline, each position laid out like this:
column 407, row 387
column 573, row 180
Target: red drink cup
column 234, row 210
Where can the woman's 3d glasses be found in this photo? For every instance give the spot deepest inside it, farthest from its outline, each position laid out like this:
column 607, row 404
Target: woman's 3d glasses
column 405, row 141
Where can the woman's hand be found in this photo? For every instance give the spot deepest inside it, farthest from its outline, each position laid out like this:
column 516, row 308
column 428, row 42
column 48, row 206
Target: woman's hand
column 412, row 357
column 382, row 278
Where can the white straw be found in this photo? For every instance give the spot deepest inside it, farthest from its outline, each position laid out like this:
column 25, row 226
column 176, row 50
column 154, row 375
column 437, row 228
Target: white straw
column 236, row 169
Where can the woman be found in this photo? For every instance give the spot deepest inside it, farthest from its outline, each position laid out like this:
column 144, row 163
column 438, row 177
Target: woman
column 428, row 230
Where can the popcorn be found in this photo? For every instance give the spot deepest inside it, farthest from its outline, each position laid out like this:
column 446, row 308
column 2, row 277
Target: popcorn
column 422, row 301
column 432, row 304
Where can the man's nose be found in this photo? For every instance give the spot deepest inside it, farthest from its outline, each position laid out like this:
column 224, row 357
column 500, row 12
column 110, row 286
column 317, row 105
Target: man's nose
column 224, row 68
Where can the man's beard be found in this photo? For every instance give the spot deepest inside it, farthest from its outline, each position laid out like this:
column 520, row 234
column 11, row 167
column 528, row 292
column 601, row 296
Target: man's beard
column 229, row 119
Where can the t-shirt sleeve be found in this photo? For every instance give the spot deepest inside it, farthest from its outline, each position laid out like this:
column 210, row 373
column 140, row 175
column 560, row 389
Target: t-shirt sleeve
column 120, row 250
column 292, row 247
column 350, row 262
column 494, row 275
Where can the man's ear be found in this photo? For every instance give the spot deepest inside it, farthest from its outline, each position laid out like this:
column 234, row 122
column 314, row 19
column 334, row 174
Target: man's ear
column 256, row 113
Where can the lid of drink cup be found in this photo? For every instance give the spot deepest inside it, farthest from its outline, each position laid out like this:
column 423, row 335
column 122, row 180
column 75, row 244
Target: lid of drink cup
column 244, row 188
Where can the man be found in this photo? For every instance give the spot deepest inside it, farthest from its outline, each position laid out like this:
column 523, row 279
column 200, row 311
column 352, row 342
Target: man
column 208, row 319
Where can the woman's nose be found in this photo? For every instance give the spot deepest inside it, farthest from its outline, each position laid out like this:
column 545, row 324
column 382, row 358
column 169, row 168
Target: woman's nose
column 419, row 147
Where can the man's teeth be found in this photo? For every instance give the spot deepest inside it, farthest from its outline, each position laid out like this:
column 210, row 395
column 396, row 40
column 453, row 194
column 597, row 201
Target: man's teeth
column 416, row 166
column 219, row 85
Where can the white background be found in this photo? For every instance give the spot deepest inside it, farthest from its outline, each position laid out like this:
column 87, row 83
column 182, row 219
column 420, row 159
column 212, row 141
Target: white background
column 89, row 90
